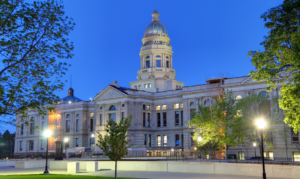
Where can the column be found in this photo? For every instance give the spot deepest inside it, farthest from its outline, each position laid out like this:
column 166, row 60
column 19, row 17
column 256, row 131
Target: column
column 162, row 60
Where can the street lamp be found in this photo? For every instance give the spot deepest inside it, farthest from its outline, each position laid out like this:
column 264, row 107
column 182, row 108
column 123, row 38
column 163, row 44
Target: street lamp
column 261, row 124
column 254, row 145
column 66, row 140
column 199, row 139
column 93, row 137
column 47, row 134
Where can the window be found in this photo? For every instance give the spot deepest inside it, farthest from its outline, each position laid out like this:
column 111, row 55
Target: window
column 192, row 113
column 68, row 126
column 139, row 87
column 158, row 119
column 101, row 120
column 295, row 137
column 176, row 118
column 149, row 85
column 91, row 114
column 123, row 116
column 192, row 140
column 21, row 146
column 207, row 102
column 42, row 145
column 145, row 139
column 165, row 140
column 241, row 155
column 181, row 105
column 271, row 156
column 100, row 107
column 112, row 108
column 144, row 119
column 77, row 125
column 123, row 105
column 147, row 64
column 22, row 129
column 165, row 119
column 67, row 143
column 263, row 94
column 164, row 107
column 158, row 141
column 112, row 116
column 181, row 118
column 157, row 56
column 182, row 140
column 92, row 125
column 149, row 140
column 30, row 145
column 43, row 117
column 157, row 107
column 91, row 141
column 176, row 86
column 42, row 126
column 145, row 86
column 158, row 63
column 68, row 116
column 148, row 107
column 76, row 142
column 176, row 105
column 167, row 64
column 148, row 57
column 148, row 120
column 192, row 104
column 177, row 143
column 77, row 115
column 238, row 97
column 31, row 128
column 296, row 156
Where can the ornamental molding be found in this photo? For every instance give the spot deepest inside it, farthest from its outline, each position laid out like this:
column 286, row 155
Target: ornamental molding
column 110, row 93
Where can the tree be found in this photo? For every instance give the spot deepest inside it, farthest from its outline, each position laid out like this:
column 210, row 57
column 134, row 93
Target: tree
column 9, row 139
column 115, row 144
column 279, row 63
column 32, row 45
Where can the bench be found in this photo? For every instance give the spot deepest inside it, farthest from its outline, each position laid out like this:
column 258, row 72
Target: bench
column 73, row 167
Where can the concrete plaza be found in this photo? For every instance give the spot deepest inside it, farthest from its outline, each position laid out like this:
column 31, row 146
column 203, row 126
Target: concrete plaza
column 135, row 174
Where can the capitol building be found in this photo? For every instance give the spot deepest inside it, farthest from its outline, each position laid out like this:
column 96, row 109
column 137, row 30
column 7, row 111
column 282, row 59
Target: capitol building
column 160, row 107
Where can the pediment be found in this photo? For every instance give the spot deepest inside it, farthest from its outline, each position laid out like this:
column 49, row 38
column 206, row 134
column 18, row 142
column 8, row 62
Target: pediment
column 248, row 80
column 108, row 93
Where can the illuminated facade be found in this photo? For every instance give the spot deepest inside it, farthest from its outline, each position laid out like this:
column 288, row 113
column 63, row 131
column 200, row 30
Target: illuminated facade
column 160, row 107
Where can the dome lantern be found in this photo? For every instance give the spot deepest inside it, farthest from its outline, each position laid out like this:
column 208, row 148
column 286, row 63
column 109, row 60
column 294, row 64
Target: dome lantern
column 155, row 28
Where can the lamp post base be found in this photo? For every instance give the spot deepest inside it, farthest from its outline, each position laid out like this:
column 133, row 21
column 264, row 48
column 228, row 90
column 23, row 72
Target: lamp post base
column 264, row 176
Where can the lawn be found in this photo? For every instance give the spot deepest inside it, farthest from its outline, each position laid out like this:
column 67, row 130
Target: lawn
column 56, row 177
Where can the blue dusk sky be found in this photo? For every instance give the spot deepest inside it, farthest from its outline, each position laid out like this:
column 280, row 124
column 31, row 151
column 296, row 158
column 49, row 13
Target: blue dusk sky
column 207, row 37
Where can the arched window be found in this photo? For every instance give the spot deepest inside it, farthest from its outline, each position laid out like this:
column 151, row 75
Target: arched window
column 77, row 115
column 192, row 104
column 263, row 94
column 148, row 57
column 157, row 56
column 238, row 97
column 68, row 116
column 100, row 107
column 32, row 119
column 208, row 102
column 112, row 108
column 123, row 105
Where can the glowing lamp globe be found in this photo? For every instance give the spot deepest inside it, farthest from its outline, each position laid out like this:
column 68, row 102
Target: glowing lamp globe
column 261, row 124
column 47, row 133
column 199, row 139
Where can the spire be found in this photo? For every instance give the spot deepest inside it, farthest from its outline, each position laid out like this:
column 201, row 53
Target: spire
column 155, row 15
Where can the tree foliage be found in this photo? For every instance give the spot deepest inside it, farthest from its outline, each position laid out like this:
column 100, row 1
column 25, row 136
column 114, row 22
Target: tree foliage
column 280, row 60
column 33, row 42
column 115, row 144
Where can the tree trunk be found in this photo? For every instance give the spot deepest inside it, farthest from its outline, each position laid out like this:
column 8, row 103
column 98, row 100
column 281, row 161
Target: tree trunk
column 116, row 169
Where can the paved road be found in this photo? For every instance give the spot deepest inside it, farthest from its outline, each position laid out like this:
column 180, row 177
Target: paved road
column 135, row 174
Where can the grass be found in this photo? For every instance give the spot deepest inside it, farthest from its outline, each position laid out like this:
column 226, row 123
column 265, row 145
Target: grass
column 57, row 177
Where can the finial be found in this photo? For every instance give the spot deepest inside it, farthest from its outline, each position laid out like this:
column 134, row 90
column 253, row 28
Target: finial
column 155, row 15
column 71, row 82
column 155, row 11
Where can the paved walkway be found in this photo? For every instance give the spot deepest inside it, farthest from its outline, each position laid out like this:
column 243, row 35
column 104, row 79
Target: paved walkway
column 135, row 174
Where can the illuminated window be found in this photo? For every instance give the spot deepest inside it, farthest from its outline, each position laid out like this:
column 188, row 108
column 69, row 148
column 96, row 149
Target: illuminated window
column 238, row 97
column 165, row 140
column 112, row 108
column 148, row 107
column 164, row 107
column 263, row 94
column 176, row 105
column 158, row 141
column 241, row 155
column 157, row 107
column 181, row 105
column 91, row 114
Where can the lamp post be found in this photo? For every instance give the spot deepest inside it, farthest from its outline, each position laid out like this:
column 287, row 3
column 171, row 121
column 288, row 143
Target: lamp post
column 254, row 145
column 261, row 125
column 93, row 138
column 199, row 140
column 66, row 140
column 47, row 134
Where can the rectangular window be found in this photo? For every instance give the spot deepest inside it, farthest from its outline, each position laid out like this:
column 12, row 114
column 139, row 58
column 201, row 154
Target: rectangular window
column 192, row 113
column 182, row 140
column 21, row 146
column 42, row 145
column 192, row 140
column 176, row 118
column 148, row 107
column 295, row 137
column 241, row 155
column 147, row 64
column 144, row 119
column 101, row 120
column 176, row 105
column 92, row 125
column 157, row 107
column 139, row 87
column 271, row 156
column 145, row 86
column 181, row 118
column 149, row 85
column 76, row 142
column 164, row 107
column 149, row 140
column 123, row 116
column 296, row 156
column 158, row 119
column 30, row 145
column 167, row 64
column 68, row 126
column 165, row 140
column 112, row 117
column 91, row 141
column 145, row 139
column 181, row 105
column 158, row 63
column 31, row 128
column 144, row 107
column 148, row 120
column 177, row 143
column 91, row 114
column 42, row 127
column 158, row 141
column 67, row 143
column 77, row 125
column 22, row 129
column 165, row 119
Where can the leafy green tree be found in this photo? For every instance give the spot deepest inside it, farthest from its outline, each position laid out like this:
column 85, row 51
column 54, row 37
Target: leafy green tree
column 279, row 63
column 115, row 144
column 32, row 45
